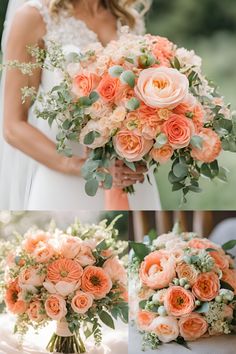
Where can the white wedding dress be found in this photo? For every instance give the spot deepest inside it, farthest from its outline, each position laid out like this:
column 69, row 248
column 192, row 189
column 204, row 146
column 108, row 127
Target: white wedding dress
column 44, row 188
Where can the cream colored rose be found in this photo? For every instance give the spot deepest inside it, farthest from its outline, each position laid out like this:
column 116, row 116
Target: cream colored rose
column 166, row 328
column 69, row 246
column 62, row 288
column 31, row 276
column 85, row 256
column 162, row 87
column 95, row 126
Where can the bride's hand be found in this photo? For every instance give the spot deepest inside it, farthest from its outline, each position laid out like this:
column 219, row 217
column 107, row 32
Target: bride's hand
column 124, row 177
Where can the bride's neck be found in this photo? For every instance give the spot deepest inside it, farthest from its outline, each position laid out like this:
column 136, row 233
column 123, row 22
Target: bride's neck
column 89, row 6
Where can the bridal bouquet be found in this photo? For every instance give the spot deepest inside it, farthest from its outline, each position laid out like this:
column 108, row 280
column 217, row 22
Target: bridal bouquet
column 74, row 278
column 141, row 99
column 182, row 288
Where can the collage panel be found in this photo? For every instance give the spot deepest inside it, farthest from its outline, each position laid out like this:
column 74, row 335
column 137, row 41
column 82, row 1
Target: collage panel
column 63, row 282
column 182, row 282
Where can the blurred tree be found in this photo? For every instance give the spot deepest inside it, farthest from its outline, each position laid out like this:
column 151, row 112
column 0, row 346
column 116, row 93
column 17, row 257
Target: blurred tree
column 3, row 9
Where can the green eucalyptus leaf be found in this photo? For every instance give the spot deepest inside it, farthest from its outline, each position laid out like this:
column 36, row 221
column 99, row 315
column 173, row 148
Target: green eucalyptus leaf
column 116, row 70
column 128, row 77
column 180, row 170
column 204, row 308
column 107, row 184
column 132, row 104
column 196, row 142
column 94, row 96
column 161, row 140
column 91, row 187
column 130, row 164
column 90, row 137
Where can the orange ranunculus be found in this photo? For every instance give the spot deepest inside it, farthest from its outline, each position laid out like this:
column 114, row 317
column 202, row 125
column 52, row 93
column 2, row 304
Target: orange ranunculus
column 229, row 276
column 185, row 270
column 64, row 269
column 179, row 131
column 179, row 301
column 96, row 282
column 12, row 300
column 55, row 307
column 108, row 88
column 144, row 319
column 84, row 83
column 81, row 302
column 131, row 145
column 162, row 154
column 192, row 326
column 211, row 146
column 206, row 287
column 157, row 270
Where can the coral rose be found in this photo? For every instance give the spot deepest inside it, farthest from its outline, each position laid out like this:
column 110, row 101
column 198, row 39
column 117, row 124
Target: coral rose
column 64, row 269
column 55, row 307
column 229, row 276
column 84, row 84
column 161, row 87
column 81, row 302
column 144, row 319
column 12, row 299
column 185, row 270
column 192, row 326
column 179, row 131
column 131, row 145
column 69, row 246
column 31, row 276
column 115, row 269
column 163, row 50
column 96, row 282
column 108, row 88
column 211, row 146
column 206, row 287
column 166, row 328
column 178, row 301
column 157, row 270
column 221, row 260
column 163, row 154
column 85, row 256
column 35, row 311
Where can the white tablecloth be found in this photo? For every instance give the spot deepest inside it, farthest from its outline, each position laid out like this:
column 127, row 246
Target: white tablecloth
column 115, row 342
column 225, row 344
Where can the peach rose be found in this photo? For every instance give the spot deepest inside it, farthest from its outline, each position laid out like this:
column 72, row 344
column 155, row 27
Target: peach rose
column 211, row 146
column 193, row 108
column 62, row 288
column 116, row 271
column 206, row 287
column 221, row 260
column 69, row 246
column 178, row 301
column 64, row 269
column 159, row 296
column 85, row 256
column 33, row 240
column 163, row 154
column 144, row 319
column 123, row 94
column 229, row 276
column 43, row 252
column 31, row 276
column 201, row 243
column 35, row 311
column 95, row 281
column 166, row 328
column 95, row 126
column 108, row 88
column 192, row 326
column 81, row 302
column 84, row 83
column 179, row 131
column 161, row 87
column 157, row 270
column 55, row 307
column 187, row 271
column 13, row 300
column 131, row 145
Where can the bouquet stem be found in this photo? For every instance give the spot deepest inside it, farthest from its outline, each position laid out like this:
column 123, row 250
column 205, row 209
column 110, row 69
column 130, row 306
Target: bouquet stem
column 63, row 341
column 129, row 190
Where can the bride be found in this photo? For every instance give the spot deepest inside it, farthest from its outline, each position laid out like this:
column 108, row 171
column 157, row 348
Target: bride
column 33, row 175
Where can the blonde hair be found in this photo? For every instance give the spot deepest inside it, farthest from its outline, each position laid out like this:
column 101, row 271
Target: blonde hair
column 120, row 8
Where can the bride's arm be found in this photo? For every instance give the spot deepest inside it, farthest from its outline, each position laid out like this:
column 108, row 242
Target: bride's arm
column 28, row 28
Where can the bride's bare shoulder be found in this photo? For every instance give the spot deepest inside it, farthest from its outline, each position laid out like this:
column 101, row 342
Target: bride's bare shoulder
column 28, row 19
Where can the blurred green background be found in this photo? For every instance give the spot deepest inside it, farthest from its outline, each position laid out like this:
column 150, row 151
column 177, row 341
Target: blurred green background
column 208, row 27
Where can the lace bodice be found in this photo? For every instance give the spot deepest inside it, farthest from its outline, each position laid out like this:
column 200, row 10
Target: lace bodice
column 69, row 30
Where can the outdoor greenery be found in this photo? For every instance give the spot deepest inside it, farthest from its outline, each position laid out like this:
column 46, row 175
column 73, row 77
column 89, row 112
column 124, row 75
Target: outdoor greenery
column 208, row 27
